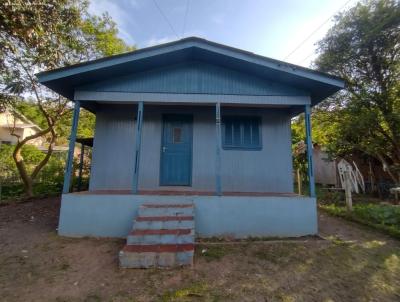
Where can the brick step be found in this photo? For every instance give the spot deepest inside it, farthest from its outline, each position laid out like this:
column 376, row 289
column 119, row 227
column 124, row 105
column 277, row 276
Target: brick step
column 162, row 236
column 177, row 236
column 175, row 210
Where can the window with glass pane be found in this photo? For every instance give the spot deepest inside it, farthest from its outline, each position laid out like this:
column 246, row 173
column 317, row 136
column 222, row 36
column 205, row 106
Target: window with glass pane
column 241, row 132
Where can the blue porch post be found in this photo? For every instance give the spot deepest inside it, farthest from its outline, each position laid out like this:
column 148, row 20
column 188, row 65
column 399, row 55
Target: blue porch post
column 218, row 189
column 81, row 158
column 139, row 122
column 72, row 139
column 309, row 150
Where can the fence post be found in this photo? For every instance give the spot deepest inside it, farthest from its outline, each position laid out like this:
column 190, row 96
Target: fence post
column 347, row 188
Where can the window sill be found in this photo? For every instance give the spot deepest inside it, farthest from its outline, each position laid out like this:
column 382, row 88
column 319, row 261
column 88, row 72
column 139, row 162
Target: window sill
column 242, row 148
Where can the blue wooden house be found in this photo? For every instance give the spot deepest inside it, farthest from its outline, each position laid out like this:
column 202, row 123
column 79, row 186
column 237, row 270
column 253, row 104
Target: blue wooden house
column 191, row 122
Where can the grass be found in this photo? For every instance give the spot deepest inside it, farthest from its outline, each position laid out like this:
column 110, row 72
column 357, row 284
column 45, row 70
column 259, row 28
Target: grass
column 354, row 264
column 385, row 218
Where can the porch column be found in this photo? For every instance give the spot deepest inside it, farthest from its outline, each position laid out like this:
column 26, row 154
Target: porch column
column 81, row 157
column 218, row 189
column 309, row 150
column 139, row 122
column 72, row 139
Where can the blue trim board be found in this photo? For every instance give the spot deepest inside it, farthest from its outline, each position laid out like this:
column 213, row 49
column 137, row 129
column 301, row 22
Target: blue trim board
column 138, row 142
column 309, row 150
column 218, row 188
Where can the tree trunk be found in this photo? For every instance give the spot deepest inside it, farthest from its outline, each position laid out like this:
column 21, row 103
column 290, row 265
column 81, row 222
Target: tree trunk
column 26, row 179
column 387, row 169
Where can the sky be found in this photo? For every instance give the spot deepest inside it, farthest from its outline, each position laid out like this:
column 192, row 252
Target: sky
column 271, row 28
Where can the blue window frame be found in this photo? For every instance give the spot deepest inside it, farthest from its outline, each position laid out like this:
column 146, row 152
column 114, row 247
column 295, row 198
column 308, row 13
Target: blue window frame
column 241, row 133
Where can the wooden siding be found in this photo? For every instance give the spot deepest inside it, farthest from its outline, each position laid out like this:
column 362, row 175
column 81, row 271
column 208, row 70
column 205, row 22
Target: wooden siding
column 181, row 98
column 113, row 148
column 269, row 169
column 194, row 77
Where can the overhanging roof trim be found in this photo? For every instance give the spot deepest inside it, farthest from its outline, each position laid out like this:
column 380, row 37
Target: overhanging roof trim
column 143, row 53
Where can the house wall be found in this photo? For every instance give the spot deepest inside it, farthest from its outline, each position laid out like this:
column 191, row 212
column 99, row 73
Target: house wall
column 192, row 81
column 194, row 77
column 266, row 170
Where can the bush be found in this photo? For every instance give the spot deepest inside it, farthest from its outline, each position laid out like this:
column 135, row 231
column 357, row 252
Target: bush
column 48, row 182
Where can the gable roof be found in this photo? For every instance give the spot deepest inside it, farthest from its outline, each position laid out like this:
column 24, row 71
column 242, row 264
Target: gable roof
column 64, row 80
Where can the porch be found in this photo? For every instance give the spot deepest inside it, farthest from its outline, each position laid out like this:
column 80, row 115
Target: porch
column 243, row 192
column 132, row 141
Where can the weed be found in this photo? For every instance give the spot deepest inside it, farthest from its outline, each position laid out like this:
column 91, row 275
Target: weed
column 196, row 290
column 213, row 252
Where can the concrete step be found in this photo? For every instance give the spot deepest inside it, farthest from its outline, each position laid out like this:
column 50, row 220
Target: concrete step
column 163, row 222
column 162, row 236
column 146, row 256
column 177, row 236
column 173, row 210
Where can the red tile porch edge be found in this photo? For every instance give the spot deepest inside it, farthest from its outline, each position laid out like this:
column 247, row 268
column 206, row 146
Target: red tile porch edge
column 187, row 193
column 150, row 205
column 159, row 248
column 161, row 232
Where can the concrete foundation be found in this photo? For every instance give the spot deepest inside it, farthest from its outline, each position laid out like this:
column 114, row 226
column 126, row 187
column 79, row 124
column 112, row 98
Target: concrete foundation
column 110, row 215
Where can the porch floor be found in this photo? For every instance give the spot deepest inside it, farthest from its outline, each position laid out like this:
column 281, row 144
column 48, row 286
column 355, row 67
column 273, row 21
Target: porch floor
column 185, row 193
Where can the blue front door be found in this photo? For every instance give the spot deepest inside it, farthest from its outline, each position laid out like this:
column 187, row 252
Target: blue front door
column 176, row 151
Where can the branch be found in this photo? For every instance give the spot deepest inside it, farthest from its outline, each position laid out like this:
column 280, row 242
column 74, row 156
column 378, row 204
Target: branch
column 45, row 160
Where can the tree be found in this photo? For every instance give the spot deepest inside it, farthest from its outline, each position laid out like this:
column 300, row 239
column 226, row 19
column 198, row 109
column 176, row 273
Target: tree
column 41, row 35
column 363, row 47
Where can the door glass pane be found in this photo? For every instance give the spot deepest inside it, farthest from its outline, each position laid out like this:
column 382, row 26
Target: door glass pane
column 177, row 135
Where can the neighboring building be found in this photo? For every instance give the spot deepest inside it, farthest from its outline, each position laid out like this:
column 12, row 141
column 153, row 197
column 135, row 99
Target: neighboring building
column 13, row 122
column 191, row 121
column 325, row 168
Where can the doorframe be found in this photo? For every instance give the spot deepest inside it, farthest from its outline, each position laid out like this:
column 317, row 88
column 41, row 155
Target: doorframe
column 185, row 117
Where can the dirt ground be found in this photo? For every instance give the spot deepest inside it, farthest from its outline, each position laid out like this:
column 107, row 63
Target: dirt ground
column 354, row 263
